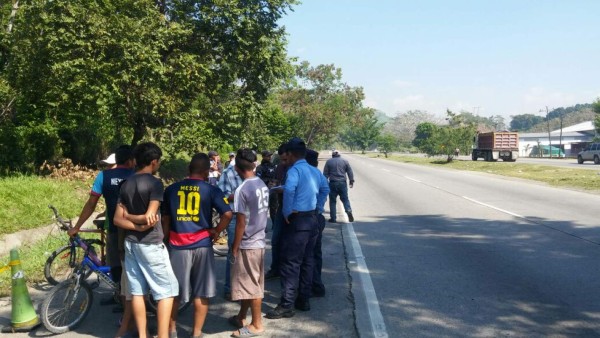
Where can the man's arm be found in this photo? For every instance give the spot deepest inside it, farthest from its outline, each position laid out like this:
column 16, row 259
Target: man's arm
column 350, row 174
column 289, row 192
column 323, row 192
column 223, row 223
column 86, row 212
column 326, row 170
column 122, row 222
column 149, row 218
column 240, row 227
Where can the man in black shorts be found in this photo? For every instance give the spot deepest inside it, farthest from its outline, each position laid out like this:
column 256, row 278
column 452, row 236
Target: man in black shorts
column 186, row 217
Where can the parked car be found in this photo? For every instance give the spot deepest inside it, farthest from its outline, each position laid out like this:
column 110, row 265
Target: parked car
column 544, row 151
column 590, row 153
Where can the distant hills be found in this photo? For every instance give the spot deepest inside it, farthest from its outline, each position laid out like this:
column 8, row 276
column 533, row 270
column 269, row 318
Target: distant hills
column 570, row 115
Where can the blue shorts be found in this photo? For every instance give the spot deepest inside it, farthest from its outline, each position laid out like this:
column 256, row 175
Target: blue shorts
column 148, row 268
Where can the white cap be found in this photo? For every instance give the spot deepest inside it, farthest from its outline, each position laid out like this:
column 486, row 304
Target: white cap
column 335, row 152
column 110, row 159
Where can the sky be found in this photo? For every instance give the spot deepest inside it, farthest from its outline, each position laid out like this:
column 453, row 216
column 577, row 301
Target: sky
column 487, row 57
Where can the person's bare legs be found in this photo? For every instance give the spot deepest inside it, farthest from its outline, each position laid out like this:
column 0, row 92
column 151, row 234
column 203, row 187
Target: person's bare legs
column 255, row 306
column 200, row 312
column 255, row 309
column 139, row 314
column 174, row 313
column 127, row 323
column 163, row 316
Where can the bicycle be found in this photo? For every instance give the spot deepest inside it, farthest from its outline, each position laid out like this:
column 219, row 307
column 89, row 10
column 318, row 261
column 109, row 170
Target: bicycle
column 70, row 301
column 61, row 262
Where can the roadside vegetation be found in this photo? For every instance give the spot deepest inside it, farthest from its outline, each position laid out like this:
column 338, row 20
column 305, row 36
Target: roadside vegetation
column 584, row 179
column 33, row 258
column 25, row 200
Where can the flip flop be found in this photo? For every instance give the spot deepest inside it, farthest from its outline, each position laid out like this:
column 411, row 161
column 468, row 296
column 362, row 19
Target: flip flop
column 245, row 332
column 235, row 322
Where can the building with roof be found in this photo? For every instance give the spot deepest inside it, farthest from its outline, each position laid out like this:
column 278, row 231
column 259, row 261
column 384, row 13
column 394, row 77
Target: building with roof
column 572, row 140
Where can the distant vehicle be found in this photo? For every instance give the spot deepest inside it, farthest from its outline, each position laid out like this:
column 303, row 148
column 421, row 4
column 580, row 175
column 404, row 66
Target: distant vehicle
column 590, row 153
column 496, row 145
column 544, row 151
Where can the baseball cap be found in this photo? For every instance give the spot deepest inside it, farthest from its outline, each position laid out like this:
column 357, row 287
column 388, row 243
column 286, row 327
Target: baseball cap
column 212, row 153
column 110, row 159
column 335, row 152
column 266, row 153
column 296, row 143
column 231, row 154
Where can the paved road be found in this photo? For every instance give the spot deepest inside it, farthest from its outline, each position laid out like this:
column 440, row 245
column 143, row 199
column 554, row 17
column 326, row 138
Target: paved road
column 460, row 254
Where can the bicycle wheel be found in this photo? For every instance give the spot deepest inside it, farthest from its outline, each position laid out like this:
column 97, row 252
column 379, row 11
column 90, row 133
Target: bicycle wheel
column 66, row 306
column 220, row 244
column 59, row 265
column 151, row 305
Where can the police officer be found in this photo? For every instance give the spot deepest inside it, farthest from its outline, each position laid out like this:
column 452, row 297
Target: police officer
column 303, row 198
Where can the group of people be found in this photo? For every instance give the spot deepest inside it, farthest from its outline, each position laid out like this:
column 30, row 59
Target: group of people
column 160, row 240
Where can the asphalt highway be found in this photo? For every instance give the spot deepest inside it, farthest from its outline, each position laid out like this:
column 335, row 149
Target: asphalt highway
column 463, row 254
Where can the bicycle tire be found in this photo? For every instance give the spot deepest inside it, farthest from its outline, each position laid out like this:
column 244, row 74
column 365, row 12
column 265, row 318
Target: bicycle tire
column 151, row 305
column 56, row 306
column 220, row 246
column 58, row 266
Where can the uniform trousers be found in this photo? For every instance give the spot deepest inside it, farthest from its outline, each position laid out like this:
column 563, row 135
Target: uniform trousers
column 298, row 239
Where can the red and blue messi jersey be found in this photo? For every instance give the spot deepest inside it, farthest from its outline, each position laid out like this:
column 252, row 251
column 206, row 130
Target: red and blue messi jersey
column 190, row 203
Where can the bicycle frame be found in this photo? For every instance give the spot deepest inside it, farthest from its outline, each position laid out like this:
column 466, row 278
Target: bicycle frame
column 91, row 261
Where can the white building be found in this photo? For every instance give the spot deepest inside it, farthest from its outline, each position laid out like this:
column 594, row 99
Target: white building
column 574, row 139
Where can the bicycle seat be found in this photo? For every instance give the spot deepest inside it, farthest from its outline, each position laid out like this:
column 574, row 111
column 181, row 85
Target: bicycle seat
column 99, row 223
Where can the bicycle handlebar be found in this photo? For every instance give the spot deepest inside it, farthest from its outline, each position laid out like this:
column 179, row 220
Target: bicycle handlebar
column 64, row 225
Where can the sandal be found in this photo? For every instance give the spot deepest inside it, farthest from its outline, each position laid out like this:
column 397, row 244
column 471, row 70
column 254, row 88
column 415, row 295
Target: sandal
column 245, row 332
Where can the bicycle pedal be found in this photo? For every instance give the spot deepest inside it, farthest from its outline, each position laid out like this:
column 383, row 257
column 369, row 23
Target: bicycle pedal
column 94, row 285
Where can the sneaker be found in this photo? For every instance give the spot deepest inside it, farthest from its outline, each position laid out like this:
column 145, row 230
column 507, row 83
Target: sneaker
column 331, row 220
column 271, row 275
column 280, row 312
column 302, row 304
column 173, row 334
column 350, row 217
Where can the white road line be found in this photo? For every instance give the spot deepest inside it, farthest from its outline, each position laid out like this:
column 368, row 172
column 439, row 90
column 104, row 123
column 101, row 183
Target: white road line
column 412, row 179
column 386, row 170
column 493, row 207
column 369, row 324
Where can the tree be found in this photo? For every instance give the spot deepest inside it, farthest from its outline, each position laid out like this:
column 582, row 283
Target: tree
column 320, row 102
column 403, row 125
column 444, row 140
column 386, row 143
column 363, row 130
column 524, row 122
column 106, row 72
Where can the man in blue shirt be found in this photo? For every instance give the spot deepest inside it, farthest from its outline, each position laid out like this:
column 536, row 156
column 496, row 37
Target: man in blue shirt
column 304, row 196
column 228, row 183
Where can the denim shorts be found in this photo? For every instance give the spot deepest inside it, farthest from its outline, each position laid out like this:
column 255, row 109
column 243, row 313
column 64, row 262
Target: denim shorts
column 148, row 268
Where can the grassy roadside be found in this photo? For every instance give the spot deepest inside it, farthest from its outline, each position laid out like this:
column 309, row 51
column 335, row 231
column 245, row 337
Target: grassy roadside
column 33, row 258
column 24, row 205
column 24, row 201
column 583, row 179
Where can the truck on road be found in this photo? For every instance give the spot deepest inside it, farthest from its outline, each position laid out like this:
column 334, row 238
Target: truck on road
column 496, row 145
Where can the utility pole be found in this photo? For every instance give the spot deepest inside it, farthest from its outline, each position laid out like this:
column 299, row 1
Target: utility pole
column 549, row 136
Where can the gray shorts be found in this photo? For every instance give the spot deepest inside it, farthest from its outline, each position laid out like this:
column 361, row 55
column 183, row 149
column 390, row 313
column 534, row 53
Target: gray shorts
column 195, row 272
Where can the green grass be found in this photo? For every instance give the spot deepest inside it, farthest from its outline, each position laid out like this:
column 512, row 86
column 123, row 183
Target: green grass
column 33, row 258
column 560, row 177
column 24, row 201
